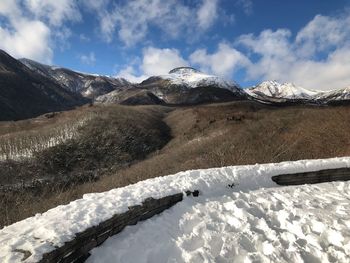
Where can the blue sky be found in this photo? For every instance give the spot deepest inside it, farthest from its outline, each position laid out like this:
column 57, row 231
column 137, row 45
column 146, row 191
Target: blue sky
column 305, row 42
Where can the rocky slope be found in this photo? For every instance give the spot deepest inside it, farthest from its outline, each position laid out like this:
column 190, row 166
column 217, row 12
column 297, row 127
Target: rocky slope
column 131, row 96
column 87, row 85
column 25, row 94
column 339, row 96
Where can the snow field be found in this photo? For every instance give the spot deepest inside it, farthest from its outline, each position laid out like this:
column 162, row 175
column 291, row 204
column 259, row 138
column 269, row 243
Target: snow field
column 42, row 233
column 289, row 224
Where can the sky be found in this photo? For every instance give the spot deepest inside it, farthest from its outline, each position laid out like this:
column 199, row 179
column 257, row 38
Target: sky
column 248, row 41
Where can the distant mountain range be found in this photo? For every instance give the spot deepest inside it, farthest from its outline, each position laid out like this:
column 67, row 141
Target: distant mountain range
column 273, row 92
column 29, row 88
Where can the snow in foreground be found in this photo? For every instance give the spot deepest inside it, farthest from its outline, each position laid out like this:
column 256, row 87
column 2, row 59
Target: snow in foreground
column 42, row 233
column 307, row 223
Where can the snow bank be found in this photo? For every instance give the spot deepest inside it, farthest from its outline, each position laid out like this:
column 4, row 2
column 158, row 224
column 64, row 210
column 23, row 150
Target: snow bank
column 309, row 223
column 43, row 232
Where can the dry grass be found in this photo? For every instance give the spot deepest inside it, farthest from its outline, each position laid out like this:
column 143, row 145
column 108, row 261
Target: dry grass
column 111, row 137
column 210, row 136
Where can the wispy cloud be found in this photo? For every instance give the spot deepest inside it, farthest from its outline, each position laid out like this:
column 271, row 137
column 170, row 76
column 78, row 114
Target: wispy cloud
column 53, row 11
column 131, row 21
column 207, row 13
column 84, row 38
column 246, row 5
column 88, row 59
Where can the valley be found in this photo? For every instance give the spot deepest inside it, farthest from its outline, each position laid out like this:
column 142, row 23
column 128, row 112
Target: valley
column 117, row 145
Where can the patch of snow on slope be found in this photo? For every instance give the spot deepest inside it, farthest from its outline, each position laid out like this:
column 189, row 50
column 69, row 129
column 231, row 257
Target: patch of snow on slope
column 23, row 145
column 307, row 223
column 285, row 90
column 43, row 232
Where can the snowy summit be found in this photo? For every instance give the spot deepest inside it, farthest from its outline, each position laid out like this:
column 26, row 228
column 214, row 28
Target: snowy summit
column 273, row 90
column 194, row 78
column 286, row 90
column 336, row 95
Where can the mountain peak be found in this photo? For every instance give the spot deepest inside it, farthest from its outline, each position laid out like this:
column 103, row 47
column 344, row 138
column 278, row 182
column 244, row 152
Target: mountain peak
column 285, row 90
column 182, row 70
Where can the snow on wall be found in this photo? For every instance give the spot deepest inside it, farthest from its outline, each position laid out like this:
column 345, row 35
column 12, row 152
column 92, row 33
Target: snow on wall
column 44, row 232
column 294, row 224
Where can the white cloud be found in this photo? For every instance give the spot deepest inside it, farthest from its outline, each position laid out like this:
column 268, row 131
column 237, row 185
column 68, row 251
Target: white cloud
column 22, row 37
column 275, row 51
column 269, row 43
column 9, row 8
column 135, row 18
column 54, row 11
column 224, row 62
column 30, row 28
column 331, row 73
column 155, row 61
column 88, row 59
column 161, row 61
column 29, row 39
column 105, row 14
column 322, row 33
column 317, row 58
column 131, row 20
column 207, row 13
column 129, row 73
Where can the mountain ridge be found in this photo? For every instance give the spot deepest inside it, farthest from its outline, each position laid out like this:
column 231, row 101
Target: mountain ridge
column 275, row 92
column 25, row 94
column 29, row 88
column 87, row 85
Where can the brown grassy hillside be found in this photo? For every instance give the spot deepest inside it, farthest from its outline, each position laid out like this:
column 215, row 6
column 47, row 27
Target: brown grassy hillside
column 209, row 136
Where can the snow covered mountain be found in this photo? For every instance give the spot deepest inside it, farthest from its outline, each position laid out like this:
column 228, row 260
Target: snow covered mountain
column 335, row 96
column 274, row 92
column 88, row 85
column 185, row 85
column 182, row 85
column 273, row 89
column 193, row 78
